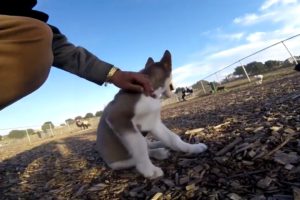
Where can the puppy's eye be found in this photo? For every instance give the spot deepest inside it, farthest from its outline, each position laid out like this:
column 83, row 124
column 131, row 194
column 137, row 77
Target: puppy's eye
column 171, row 86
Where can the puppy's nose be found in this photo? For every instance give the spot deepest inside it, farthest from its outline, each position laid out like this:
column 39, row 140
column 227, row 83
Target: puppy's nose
column 171, row 87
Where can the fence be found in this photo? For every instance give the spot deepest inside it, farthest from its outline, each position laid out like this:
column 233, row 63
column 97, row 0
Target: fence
column 225, row 78
column 39, row 135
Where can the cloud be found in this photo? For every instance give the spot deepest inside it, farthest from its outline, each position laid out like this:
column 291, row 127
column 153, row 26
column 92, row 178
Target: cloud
column 218, row 32
column 233, row 36
column 238, row 52
column 188, row 74
column 269, row 3
column 287, row 12
column 247, row 19
column 255, row 37
column 279, row 19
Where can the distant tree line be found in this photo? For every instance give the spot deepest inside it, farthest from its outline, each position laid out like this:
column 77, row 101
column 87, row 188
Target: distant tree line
column 255, row 68
column 252, row 69
column 18, row 134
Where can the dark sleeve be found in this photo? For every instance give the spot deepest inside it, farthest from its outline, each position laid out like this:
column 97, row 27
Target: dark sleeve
column 17, row 4
column 77, row 60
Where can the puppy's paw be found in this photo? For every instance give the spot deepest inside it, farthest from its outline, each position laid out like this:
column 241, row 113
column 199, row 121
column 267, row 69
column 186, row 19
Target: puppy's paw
column 198, row 148
column 163, row 154
column 151, row 172
column 157, row 172
column 159, row 153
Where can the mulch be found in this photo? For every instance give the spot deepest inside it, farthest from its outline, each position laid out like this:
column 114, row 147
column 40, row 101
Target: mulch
column 253, row 153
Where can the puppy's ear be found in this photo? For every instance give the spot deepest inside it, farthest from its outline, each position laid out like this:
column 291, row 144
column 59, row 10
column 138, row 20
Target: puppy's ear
column 149, row 62
column 167, row 60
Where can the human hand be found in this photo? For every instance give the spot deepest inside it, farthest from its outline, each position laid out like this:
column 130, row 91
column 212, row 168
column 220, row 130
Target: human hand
column 132, row 81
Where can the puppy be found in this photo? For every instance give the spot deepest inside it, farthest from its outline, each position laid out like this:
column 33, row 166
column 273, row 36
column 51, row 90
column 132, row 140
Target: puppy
column 120, row 139
column 259, row 79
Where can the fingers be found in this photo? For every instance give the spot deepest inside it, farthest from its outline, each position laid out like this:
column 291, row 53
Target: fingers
column 133, row 81
column 135, row 88
column 140, row 89
column 144, row 81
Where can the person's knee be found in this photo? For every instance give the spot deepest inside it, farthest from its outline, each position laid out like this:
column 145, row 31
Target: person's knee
column 40, row 36
column 25, row 64
column 42, row 31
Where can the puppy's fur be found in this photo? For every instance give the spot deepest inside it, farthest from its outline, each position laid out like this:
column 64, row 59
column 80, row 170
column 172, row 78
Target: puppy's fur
column 120, row 139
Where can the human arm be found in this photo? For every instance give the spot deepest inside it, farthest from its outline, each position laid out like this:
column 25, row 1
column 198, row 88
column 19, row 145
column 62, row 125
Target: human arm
column 83, row 63
column 77, row 60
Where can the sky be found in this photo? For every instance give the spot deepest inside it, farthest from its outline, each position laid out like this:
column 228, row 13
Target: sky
column 202, row 36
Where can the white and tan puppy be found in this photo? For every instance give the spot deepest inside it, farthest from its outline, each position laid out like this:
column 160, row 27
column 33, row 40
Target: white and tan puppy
column 120, row 135
column 259, row 79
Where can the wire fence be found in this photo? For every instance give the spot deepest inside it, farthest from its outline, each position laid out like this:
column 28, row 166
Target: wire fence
column 35, row 133
column 225, row 78
column 284, row 50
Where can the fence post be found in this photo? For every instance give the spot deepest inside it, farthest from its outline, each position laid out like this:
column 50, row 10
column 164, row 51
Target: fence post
column 245, row 72
column 290, row 53
column 28, row 137
column 69, row 128
column 203, row 87
column 51, row 130
column 217, row 78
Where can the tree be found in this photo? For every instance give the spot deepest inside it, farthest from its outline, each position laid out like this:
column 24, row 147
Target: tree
column 78, row 117
column 239, row 71
column 1, row 138
column 206, row 85
column 88, row 115
column 251, row 68
column 99, row 113
column 69, row 121
column 290, row 61
column 47, row 126
column 31, row 131
column 198, row 85
column 20, row 133
column 273, row 64
column 17, row 134
column 254, row 68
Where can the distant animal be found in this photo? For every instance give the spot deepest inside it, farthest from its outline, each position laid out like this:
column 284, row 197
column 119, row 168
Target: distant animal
column 83, row 124
column 185, row 92
column 189, row 90
column 259, row 79
column 127, row 119
column 221, row 88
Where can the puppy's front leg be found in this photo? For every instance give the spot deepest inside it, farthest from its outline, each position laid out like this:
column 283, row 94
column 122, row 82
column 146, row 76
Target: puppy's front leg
column 174, row 142
column 137, row 146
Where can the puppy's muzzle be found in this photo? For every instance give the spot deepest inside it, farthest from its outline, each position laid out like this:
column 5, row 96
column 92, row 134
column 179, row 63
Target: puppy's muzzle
column 171, row 86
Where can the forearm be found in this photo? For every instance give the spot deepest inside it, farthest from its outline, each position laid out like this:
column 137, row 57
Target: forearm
column 81, row 62
column 78, row 60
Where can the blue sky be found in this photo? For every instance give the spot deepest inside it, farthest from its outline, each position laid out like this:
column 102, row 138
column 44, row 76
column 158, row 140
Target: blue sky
column 202, row 36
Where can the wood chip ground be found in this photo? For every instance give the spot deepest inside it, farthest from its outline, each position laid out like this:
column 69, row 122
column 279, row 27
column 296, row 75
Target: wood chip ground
column 254, row 153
